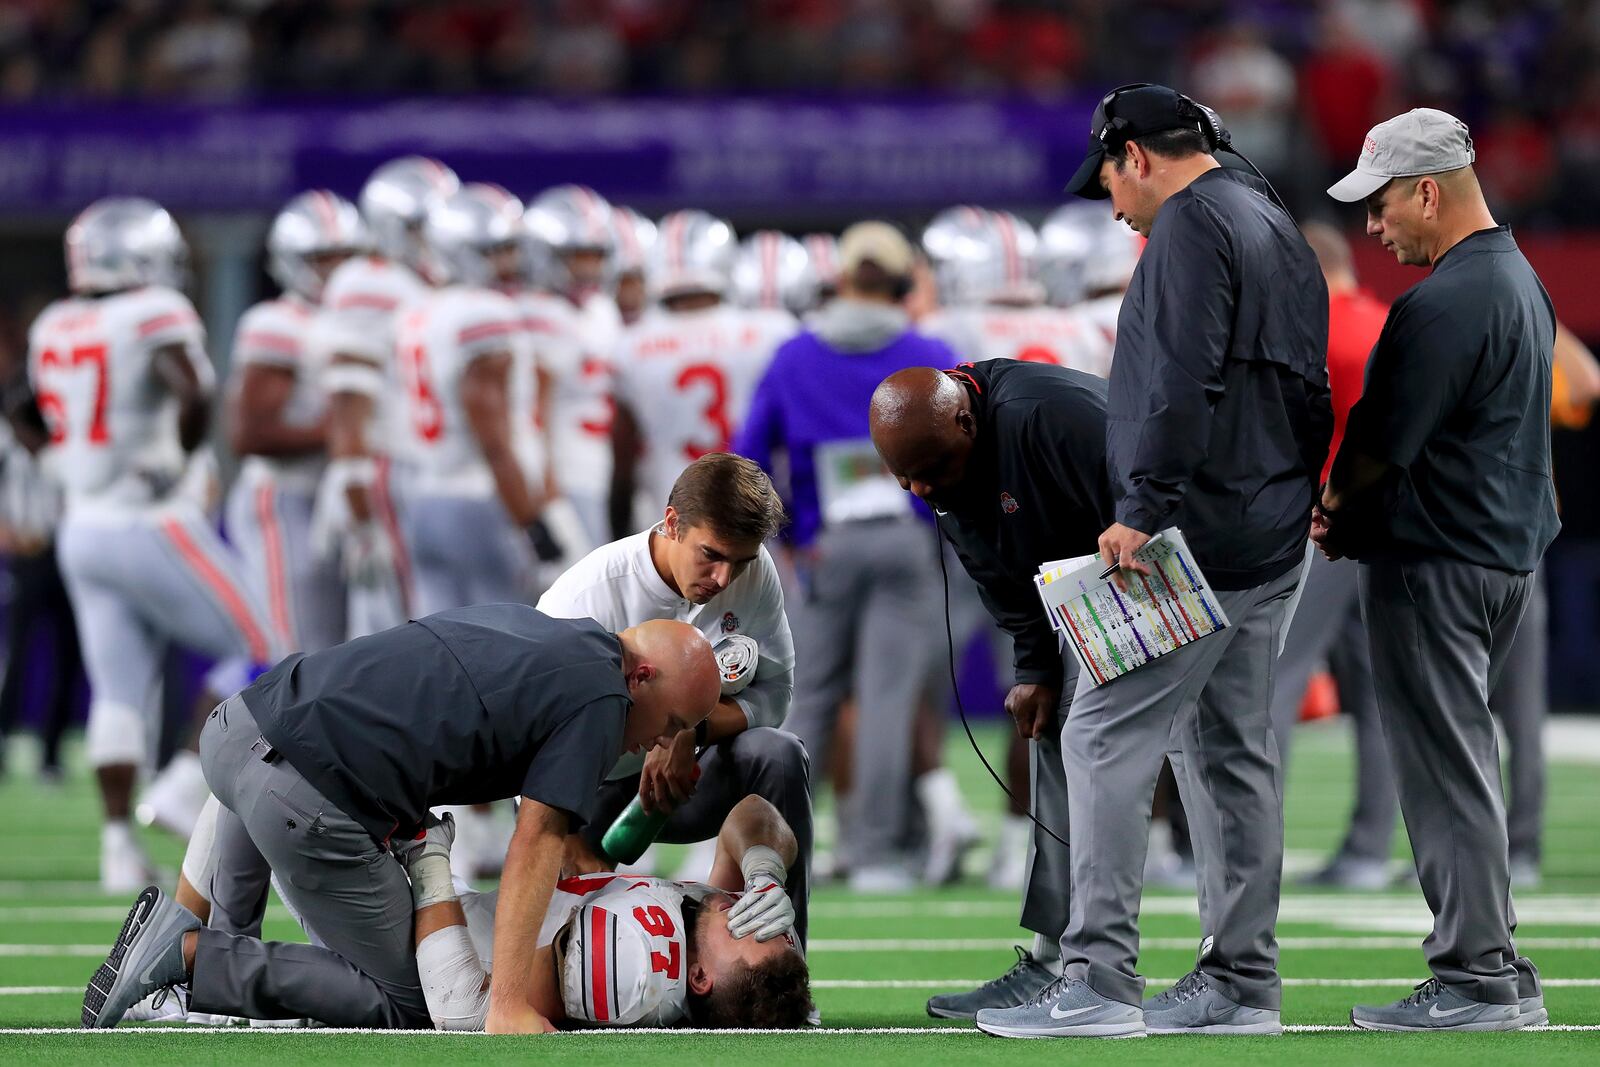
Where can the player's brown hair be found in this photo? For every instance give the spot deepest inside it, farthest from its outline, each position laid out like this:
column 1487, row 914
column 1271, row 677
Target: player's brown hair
column 729, row 494
column 773, row 996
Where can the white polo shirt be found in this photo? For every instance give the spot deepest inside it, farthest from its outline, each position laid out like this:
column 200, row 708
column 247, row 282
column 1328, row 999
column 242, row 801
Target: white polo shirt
column 617, row 586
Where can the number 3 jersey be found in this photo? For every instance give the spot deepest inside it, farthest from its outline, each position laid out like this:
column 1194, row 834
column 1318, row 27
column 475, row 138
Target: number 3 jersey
column 620, row 946
column 688, row 377
column 439, row 336
column 113, row 423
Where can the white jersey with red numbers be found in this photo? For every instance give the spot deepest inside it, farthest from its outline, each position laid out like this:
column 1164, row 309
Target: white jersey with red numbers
column 1039, row 334
column 688, row 377
column 555, row 344
column 581, row 406
column 113, row 423
column 621, row 946
column 1102, row 312
column 437, row 338
column 360, row 307
column 274, row 333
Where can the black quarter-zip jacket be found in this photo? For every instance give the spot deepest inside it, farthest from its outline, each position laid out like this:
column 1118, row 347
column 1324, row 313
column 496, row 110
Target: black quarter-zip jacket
column 1035, row 489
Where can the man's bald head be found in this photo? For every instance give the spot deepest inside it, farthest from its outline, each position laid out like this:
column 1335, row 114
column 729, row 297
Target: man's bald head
column 672, row 676
column 1333, row 255
column 923, row 426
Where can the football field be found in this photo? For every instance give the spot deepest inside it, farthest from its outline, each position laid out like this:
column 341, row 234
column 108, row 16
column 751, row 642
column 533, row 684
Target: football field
column 875, row 960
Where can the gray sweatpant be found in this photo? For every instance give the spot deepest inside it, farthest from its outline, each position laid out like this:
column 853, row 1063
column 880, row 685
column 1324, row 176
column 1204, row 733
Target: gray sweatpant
column 867, row 620
column 270, row 527
column 763, row 761
column 465, row 551
column 341, row 883
column 1441, row 631
column 1205, row 707
column 1328, row 628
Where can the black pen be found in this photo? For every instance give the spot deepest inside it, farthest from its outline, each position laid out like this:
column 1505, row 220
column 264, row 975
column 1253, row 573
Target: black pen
column 1109, row 571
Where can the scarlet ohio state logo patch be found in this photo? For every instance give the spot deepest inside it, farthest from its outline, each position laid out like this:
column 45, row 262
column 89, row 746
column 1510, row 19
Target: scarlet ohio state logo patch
column 1008, row 503
column 730, row 622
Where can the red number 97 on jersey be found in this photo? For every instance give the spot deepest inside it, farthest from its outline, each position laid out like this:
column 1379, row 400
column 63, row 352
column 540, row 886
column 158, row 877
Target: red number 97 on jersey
column 655, row 921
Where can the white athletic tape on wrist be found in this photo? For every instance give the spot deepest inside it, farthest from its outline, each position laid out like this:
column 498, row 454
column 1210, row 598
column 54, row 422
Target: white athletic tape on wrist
column 737, row 656
column 201, row 849
column 115, row 734
column 454, row 983
column 353, row 470
column 759, row 860
column 431, row 881
column 360, row 378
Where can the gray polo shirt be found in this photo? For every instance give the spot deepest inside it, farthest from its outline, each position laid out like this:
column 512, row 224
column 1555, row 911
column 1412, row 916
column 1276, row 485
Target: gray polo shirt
column 463, row 707
column 1457, row 399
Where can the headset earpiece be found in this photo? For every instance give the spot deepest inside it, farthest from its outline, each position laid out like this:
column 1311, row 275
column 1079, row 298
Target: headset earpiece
column 1207, row 122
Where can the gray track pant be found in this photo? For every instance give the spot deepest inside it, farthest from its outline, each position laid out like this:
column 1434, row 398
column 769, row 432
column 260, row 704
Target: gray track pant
column 1441, row 632
column 867, row 620
column 465, row 551
column 304, row 594
column 341, row 883
column 1206, row 707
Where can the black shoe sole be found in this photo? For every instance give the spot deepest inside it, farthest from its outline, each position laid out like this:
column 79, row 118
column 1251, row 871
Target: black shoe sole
column 94, row 996
column 946, row 1013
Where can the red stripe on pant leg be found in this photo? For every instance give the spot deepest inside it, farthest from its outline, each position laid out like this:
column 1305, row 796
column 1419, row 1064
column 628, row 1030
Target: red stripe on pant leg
column 277, row 573
column 597, row 953
column 234, row 604
column 383, row 504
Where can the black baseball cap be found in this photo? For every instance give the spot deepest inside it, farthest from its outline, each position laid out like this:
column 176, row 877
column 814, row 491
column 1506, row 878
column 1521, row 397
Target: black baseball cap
column 1124, row 113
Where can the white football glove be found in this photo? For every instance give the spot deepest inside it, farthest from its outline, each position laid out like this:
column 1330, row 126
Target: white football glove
column 367, row 555
column 765, row 909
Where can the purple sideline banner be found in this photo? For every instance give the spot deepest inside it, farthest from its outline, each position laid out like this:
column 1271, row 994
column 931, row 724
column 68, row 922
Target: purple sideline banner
column 725, row 154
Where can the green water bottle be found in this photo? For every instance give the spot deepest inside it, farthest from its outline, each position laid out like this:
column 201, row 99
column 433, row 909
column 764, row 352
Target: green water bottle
column 634, row 830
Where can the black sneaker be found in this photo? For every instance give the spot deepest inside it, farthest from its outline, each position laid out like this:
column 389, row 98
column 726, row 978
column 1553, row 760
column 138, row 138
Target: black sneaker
column 1017, row 986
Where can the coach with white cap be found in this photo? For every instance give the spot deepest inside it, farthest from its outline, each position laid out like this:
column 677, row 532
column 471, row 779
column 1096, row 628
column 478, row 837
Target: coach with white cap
column 1442, row 490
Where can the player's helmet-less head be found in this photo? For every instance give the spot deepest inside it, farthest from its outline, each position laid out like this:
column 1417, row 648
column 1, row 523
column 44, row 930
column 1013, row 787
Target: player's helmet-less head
column 123, row 243
column 694, row 253
column 314, row 224
column 774, row 271
column 395, row 201
column 981, row 256
column 463, row 229
column 1083, row 252
column 634, row 235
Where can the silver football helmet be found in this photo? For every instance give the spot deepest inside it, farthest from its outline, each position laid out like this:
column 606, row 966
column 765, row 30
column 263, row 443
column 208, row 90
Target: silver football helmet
column 823, row 251
column 1085, row 251
column 464, row 228
column 982, row 257
column 635, row 235
column 564, row 220
column 314, row 224
column 122, row 243
column 773, row 271
column 694, row 253
column 395, row 201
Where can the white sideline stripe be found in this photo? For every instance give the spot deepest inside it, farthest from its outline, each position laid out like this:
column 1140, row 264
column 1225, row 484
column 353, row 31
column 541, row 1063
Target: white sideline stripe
column 1351, row 909
column 580, row 1035
column 971, row 944
column 954, row 983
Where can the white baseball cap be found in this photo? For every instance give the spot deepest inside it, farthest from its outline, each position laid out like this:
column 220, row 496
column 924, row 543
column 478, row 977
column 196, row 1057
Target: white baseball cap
column 1422, row 141
column 875, row 242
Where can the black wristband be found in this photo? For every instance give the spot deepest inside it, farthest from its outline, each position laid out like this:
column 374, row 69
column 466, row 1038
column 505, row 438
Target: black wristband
column 702, row 730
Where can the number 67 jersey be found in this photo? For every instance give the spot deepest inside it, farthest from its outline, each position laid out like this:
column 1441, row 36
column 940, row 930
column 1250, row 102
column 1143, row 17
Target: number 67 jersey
column 688, row 377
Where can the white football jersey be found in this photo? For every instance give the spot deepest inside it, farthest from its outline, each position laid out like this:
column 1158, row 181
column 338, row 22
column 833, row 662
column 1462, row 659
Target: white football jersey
column 582, row 406
column 1039, row 334
column 274, row 333
column 618, row 586
column 555, row 344
column 688, row 378
column 113, row 424
column 437, row 338
column 1102, row 311
column 358, row 317
column 636, row 979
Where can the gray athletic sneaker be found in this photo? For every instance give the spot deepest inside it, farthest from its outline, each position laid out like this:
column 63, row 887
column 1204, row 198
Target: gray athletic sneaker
column 1017, row 986
column 1196, row 1006
column 1434, row 1006
column 148, row 956
column 1066, row 1007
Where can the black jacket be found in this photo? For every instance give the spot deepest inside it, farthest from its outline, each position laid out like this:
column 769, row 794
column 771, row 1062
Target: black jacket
column 1034, row 490
column 1218, row 414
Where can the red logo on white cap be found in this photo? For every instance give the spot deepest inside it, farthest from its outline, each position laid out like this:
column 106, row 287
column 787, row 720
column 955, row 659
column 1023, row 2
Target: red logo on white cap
column 1369, row 147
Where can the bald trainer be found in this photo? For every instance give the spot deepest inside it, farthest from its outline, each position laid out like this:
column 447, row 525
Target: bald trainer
column 330, row 757
column 1012, row 457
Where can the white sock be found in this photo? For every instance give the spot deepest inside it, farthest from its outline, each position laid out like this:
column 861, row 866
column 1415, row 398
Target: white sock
column 940, row 795
column 1160, row 837
column 1047, row 951
column 117, row 833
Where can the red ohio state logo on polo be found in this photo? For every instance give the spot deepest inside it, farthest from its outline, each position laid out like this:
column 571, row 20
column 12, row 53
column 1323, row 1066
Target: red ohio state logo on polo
column 1008, row 503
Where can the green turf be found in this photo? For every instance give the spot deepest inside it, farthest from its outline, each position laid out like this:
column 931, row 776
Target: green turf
column 47, row 897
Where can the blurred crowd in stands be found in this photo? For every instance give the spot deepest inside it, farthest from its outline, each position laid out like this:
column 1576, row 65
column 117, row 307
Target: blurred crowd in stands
column 1299, row 81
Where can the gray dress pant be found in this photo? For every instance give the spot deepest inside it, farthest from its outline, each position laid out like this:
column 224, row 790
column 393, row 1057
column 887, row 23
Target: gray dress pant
column 867, row 620
column 763, row 761
column 1047, row 892
column 1328, row 628
column 334, row 875
column 1441, row 632
column 1521, row 701
column 1206, row 708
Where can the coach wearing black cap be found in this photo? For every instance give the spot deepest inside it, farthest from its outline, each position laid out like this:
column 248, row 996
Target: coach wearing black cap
column 1442, row 490
column 1218, row 422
